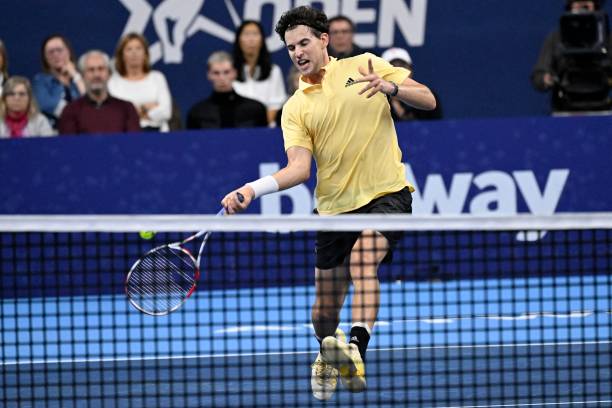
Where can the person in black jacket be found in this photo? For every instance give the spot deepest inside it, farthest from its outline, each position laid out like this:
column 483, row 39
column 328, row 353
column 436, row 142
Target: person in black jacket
column 399, row 57
column 224, row 108
column 576, row 72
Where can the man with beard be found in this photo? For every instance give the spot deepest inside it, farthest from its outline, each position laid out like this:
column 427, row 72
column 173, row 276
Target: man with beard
column 97, row 111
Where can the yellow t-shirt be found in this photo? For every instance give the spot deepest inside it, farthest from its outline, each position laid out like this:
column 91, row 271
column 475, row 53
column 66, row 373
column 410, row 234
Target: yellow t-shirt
column 351, row 137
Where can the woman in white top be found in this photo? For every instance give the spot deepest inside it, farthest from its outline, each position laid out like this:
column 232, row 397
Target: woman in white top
column 258, row 78
column 19, row 114
column 134, row 81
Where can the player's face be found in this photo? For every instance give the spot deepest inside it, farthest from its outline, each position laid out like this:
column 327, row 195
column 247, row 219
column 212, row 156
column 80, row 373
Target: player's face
column 307, row 52
column 221, row 75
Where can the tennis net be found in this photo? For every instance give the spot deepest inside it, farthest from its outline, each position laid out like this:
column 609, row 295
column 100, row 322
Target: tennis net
column 502, row 311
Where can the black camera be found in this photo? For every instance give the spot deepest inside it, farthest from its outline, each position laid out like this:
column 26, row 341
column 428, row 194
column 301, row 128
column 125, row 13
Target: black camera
column 584, row 33
column 583, row 82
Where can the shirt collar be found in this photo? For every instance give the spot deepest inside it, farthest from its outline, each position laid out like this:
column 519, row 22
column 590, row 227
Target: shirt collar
column 328, row 67
column 96, row 103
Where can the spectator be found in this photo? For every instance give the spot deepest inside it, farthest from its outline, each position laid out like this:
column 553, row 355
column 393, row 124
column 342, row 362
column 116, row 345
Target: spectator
column 293, row 84
column 3, row 65
column 224, row 108
column 134, row 81
column 341, row 33
column 577, row 80
column 258, row 78
column 60, row 83
column 19, row 114
column 399, row 57
column 97, row 111
column 293, row 80
column 175, row 122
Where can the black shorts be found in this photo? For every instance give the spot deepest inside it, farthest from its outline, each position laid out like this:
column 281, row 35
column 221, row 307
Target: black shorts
column 334, row 247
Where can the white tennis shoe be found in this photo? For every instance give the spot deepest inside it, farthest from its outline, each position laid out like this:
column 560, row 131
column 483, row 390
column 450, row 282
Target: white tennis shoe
column 347, row 360
column 324, row 376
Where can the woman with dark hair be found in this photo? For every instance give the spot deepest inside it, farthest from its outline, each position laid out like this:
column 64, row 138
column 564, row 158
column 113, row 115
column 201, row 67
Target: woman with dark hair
column 3, row 66
column 60, row 82
column 258, row 78
column 19, row 115
column 136, row 82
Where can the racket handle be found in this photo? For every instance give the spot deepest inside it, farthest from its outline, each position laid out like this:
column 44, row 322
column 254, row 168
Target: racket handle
column 240, row 197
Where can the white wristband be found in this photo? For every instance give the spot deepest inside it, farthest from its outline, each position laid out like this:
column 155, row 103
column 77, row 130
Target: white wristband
column 263, row 186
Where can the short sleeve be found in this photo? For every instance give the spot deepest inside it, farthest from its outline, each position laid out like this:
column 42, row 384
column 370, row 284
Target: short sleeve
column 294, row 131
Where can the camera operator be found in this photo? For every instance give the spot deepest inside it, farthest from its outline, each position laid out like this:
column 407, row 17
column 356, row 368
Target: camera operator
column 574, row 62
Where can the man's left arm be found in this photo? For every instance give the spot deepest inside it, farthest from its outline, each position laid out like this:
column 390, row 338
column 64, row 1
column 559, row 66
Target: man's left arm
column 413, row 93
column 409, row 91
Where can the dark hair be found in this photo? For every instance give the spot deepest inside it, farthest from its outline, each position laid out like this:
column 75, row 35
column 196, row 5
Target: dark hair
column 597, row 3
column 120, row 62
column 264, row 61
column 43, row 57
column 304, row 15
column 342, row 18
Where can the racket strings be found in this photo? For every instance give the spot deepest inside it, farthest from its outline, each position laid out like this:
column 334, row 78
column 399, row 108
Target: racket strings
column 162, row 280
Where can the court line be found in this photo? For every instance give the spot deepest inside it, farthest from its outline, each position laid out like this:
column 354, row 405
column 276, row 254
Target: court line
column 289, row 353
column 539, row 404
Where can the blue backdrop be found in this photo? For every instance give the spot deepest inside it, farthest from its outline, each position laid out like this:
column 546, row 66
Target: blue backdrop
column 476, row 54
column 478, row 166
column 485, row 166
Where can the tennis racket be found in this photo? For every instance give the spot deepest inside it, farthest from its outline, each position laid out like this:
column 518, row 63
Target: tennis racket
column 166, row 276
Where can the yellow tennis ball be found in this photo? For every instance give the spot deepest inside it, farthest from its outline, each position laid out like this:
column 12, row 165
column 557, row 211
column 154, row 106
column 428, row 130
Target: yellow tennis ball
column 146, row 234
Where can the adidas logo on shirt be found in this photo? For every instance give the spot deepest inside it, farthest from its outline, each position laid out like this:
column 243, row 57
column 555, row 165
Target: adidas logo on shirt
column 354, row 339
column 349, row 82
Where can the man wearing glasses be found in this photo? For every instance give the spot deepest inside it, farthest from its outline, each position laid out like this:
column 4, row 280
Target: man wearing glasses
column 341, row 33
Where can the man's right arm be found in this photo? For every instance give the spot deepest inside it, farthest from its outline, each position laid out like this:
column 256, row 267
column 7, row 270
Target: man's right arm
column 296, row 171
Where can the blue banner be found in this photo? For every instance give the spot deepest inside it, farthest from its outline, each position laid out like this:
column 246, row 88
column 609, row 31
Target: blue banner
column 492, row 166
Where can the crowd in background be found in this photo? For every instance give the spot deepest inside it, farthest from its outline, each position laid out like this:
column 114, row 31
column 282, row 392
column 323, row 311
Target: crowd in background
column 100, row 94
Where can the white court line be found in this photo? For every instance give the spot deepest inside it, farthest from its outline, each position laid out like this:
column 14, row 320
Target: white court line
column 539, row 404
column 289, row 353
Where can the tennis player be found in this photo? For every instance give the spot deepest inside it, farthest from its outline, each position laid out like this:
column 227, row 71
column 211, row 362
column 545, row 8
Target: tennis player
column 340, row 115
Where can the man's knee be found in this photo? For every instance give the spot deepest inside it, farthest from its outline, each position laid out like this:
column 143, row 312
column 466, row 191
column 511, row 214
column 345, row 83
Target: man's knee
column 369, row 250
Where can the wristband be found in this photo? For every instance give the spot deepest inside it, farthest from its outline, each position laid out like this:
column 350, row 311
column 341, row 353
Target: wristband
column 395, row 89
column 263, row 186
column 76, row 77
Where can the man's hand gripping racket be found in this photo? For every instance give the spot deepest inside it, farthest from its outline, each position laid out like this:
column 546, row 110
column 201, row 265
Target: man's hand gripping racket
column 166, row 276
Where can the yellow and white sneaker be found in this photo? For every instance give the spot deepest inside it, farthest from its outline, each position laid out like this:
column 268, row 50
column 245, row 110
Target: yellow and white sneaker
column 324, row 376
column 347, row 360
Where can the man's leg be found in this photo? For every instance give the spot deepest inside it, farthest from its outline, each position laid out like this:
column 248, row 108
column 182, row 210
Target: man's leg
column 367, row 254
column 331, row 286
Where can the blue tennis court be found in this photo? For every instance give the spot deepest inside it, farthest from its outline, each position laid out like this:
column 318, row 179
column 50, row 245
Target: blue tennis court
column 515, row 342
